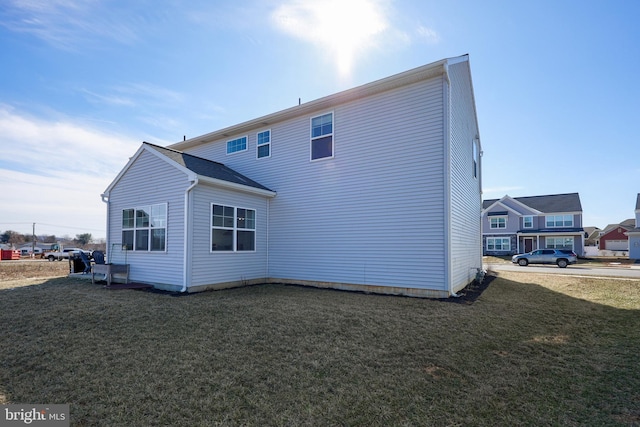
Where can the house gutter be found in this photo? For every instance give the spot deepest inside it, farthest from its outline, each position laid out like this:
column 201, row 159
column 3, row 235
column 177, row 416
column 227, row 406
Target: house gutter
column 447, row 174
column 105, row 199
column 186, row 251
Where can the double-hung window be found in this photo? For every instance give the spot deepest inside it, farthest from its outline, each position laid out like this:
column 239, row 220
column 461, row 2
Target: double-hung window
column 496, row 222
column 145, row 228
column 476, row 158
column 238, row 144
column 559, row 221
column 263, row 144
column 232, row 229
column 322, row 137
column 527, row 221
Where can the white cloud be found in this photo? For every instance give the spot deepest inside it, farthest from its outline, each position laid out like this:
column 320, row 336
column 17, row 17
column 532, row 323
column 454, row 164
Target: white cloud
column 428, row 35
column 54, row 172
column 344, row 29
column 67, row 23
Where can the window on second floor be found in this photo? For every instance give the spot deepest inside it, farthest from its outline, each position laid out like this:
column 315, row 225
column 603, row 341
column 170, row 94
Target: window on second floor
column 527, row 221
column 476, row 158
column 554, row 221
column 322, row 137
column 238, row 144
column 263, row 144
column 496, row 222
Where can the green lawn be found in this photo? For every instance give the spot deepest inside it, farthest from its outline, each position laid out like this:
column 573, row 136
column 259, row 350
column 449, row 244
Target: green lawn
column 532, row 350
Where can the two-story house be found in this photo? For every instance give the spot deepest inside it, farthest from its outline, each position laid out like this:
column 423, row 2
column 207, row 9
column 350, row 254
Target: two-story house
column 376, row 189
column 634, row 234
column 513, row 225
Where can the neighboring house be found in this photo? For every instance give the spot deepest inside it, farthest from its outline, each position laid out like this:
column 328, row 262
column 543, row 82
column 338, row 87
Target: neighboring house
column 377, row 188
column 614, row 238
column 634, row 233
column 27, row 249
column 513, row 225
column 592, row 236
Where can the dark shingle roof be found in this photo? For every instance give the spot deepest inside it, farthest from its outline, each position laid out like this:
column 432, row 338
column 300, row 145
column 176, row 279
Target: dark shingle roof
column 569, row 202
column 207, row 168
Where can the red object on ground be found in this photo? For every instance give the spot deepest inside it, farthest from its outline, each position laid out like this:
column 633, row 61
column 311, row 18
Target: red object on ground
column 10, row 254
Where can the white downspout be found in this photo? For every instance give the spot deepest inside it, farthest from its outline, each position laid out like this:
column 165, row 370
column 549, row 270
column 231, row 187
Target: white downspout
column 186, row 251
column 105, row 199
column 447, row 174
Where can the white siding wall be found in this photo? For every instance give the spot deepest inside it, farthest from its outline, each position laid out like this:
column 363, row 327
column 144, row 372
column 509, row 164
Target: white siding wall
column 162, row 184
column 466, row 204
column 220, row 267
column 374, row 214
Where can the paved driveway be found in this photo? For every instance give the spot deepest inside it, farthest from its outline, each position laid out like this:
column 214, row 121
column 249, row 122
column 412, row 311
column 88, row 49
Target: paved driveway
column 578, row 270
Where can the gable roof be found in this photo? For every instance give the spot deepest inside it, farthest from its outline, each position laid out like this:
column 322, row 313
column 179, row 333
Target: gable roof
column 206, row 168
column 614, row 228
column 552, row 203
column 631, row 222
column 591, row 230
column 198, row 168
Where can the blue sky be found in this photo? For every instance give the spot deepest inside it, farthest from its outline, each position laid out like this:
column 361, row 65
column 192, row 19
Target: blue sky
column 84, row 82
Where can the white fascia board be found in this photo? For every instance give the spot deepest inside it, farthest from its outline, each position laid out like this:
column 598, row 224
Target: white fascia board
column 236, row 187
column 424, row 72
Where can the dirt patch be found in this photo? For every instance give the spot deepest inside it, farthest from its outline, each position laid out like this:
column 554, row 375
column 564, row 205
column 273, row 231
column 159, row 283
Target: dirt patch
column 29, row 269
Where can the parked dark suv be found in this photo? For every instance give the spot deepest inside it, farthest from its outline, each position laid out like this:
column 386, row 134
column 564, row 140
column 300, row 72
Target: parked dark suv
column 560, row 257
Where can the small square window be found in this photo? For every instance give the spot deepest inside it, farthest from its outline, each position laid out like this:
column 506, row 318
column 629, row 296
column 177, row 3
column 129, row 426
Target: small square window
column 235, row 145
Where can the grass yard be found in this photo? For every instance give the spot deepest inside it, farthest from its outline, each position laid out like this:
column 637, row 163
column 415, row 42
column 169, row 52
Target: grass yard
column 531, row 350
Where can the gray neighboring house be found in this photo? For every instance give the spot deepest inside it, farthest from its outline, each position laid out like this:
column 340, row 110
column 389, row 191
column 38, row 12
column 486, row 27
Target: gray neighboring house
column 512, row 225
column 634, row 234
column 376, row 189
column 592, row 236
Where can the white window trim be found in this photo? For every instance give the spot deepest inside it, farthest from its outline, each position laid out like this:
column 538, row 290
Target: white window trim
column 546, row 241
column 506, row 219
column 261, row 145
column 554, row 221
column 235, row 229
column 135, row 228
column 524, row 223
column 332, row 134
column 508, row 239
column 476, row 158
column 226, row 145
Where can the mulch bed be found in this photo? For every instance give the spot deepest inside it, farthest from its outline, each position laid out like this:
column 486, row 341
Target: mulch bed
column 472, row 292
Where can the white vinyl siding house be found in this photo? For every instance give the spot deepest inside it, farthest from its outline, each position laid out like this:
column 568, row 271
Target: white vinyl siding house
column 387, row 201
column 160, row 267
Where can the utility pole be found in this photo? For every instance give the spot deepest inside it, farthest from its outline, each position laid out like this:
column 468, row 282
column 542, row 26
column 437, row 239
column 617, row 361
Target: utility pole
column 33, row 241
